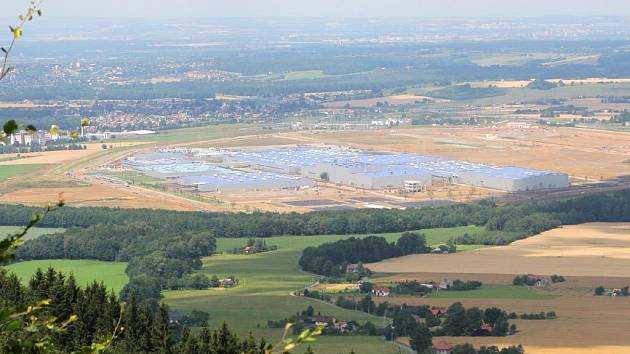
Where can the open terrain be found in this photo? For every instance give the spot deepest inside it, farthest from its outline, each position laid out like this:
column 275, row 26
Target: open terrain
column 539, row 147
column 76, row 174
column 581, row 250
column 588, row 255
column 266, row 281
column 34, row 232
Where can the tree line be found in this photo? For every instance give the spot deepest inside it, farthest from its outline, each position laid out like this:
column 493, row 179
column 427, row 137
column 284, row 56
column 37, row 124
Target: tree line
column 158, row 256
column 504, row 223
column 96, row 312
column 332, row 259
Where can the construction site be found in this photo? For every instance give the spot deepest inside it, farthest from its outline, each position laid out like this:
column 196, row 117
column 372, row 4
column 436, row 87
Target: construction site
column 300, row 167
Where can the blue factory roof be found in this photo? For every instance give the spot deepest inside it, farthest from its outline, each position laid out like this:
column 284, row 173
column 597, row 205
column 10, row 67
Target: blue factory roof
column 236, row 178
column 396, row 171
column 366, row 163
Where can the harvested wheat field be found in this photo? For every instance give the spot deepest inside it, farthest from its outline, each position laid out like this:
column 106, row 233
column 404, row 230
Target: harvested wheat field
column 56, row 157
column 588, row 255
column 596, row 249
column 96, row 195
column 585, row 323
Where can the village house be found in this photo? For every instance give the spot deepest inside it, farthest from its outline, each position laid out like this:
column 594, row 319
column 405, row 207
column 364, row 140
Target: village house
column 444, row 285
column 485, row 330
column 539, row 280
column 381, row 291
column 438, row 312
column 228, row 283
column 352, row 268
column 325, row 321
column 442, row 348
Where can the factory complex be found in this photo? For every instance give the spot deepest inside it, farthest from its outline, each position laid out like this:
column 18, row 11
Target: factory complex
column 209, row 170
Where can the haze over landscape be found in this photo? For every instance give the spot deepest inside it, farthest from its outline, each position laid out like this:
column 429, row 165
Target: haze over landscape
column 265, row 177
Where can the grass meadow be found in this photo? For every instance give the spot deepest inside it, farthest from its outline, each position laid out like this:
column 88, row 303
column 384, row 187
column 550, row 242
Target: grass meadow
column 34, row 232
column 12, row 171
column 112, row 274
column 266, row 281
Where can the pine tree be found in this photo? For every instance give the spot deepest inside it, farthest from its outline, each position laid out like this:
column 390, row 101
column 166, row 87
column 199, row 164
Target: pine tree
column 224, row 342
column 161, row 332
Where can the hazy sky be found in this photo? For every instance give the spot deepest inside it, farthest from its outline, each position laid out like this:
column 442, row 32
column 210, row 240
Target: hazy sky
column 324, row 8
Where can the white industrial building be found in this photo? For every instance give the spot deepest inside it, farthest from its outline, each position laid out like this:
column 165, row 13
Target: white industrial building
column 298, row 167
column 513, row 179
column 369, row 176
column 244, row 182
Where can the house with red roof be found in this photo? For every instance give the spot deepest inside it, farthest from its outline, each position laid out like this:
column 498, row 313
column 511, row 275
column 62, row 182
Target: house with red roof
column 381, row 290
column 442, row 348
column 438, row 312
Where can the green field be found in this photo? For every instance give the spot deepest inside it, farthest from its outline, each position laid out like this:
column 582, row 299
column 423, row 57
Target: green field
column 434, row 237
column 85, row 271
column 34, row 232
column 494, row 292
column 136, row 178
column 187, row 135
column 266, row 281
column 528, row 95
column 10, row 171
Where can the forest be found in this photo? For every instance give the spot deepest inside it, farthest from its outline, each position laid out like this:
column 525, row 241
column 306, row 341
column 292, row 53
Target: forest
column 157, row 255
column 332, row 259
column 504, row 223
column 93, row 313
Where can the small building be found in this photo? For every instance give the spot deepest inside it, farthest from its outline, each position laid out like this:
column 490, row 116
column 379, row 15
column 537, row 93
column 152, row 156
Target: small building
column 325, row 321
column 228, row 283
column 444, row 285
column 352, row 268
column 381, row 291
column 539, row 280
column 443, row 348
column 438, row 312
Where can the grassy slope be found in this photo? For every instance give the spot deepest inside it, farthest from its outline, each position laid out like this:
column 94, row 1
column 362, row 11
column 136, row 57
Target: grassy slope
column 85, row 271
column 32, row 233
column 434, row 237
column 11, row 171
column 494, row 292
column 186, row 135
column 266, row 281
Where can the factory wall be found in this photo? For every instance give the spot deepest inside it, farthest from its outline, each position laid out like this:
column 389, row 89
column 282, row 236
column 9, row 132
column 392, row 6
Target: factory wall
column 255, row 185
column 352, row 176
column 552, row 180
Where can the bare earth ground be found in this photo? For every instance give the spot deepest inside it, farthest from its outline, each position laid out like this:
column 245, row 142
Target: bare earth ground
column 585, row 323
column 587, row 155
column 392, row 100
column 578, row 152
column 523, row 83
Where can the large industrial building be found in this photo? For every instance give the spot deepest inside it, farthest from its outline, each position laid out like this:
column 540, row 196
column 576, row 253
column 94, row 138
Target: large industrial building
column 299, row 167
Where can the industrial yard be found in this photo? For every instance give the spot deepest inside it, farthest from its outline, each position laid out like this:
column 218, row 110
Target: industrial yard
column 368, row 178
